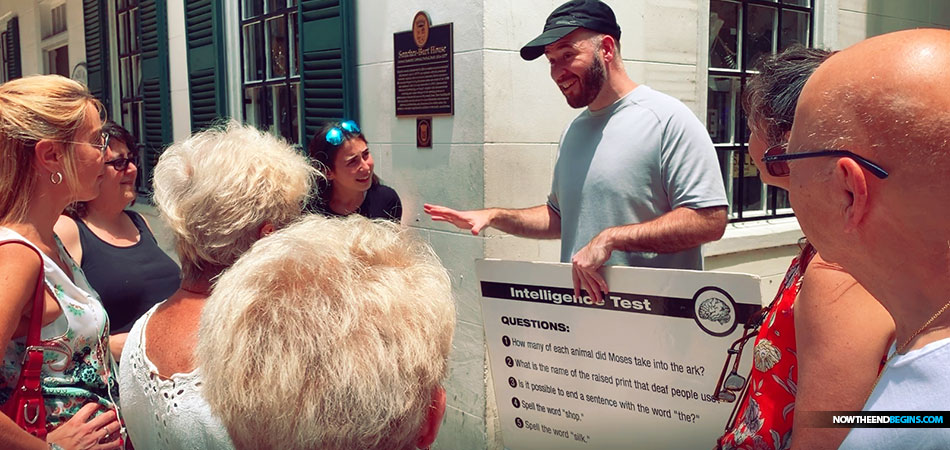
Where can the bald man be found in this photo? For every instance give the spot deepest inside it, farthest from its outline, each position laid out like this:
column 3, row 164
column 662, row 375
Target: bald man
column 877, row 203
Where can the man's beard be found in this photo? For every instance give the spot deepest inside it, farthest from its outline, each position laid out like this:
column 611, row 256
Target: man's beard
column 591, row 84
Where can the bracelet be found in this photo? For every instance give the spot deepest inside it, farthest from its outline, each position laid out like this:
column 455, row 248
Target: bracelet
column 55, row 446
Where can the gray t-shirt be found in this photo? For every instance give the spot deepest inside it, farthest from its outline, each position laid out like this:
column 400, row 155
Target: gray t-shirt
column 916, row 381
column 632, row 162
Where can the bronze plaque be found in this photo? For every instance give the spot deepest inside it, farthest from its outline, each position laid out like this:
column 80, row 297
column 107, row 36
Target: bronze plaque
column 424, row 132
column 423, row 69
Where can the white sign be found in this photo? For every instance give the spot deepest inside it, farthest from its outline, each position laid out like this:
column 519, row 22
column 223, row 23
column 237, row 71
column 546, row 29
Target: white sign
column 637, row 371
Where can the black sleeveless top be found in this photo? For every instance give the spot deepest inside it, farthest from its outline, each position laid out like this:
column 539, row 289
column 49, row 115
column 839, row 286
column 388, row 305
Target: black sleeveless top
column 130, row 279
column 381, row 202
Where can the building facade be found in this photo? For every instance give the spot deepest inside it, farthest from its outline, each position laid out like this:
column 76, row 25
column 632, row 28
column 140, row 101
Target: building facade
column 167, row 68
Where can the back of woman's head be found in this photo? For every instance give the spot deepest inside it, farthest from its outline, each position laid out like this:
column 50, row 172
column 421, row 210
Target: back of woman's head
column 330, row 334
column 771, row 95
column 33, row 108
column 218, row 187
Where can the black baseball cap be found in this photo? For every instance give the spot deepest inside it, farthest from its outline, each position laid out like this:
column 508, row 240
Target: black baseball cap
column 591, row 14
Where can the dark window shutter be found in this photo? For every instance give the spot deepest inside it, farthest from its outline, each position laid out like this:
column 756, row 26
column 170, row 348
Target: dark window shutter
column 156, row 116
column 206, row 64
column 14, row 69
column 97, row 49
column 327, row 66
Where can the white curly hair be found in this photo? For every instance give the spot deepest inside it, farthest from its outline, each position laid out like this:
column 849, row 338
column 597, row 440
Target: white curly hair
column 216, row 189
column 329, row 334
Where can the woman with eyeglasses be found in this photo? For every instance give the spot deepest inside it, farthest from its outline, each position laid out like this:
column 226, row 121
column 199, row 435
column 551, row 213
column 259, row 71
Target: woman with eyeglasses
column 821, row 342
column 351, row 186
column 51, row 154
column 115, row 246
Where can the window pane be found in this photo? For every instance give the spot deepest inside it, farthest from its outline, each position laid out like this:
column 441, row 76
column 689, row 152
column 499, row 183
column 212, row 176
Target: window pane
column 134, row 30
column 137, row 75
column 781, row 199
column 294, row 50
column 277, row 47
column 753, row 191
column 794, row 29
column 725, row 163
column 125, row 68
column 284, row 112
column 274, row 5
column 253, row 53
column 126, row 116
column 797, row 2
column 723, row 34
column 258, row 108
column 294, row 114
column 253, row 8
column 119, row 4
column 123, row 34
column 759, row 36
column 721, row 112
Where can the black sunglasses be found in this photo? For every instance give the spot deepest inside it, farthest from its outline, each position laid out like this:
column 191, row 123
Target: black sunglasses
column 121, row 164
column 776, row 158
column 727, row 386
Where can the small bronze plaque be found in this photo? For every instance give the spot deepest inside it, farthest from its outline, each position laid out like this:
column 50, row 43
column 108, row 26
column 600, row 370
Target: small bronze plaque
column 424, row 132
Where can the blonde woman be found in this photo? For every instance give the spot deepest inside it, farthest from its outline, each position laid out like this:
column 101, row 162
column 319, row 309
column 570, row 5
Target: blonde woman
column 219, row 191
column 51, row 154
column 330, row 334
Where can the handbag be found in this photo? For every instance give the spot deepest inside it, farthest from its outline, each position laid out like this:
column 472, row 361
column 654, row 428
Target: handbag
column 25, row 405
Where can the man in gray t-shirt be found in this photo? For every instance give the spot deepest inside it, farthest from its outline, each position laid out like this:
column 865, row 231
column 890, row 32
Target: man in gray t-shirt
column 636, row 182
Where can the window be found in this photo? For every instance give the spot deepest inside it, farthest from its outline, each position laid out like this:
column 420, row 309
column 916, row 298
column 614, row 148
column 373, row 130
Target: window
column 270, row 66
column 57, row 61
column 740, row 32
column 4, row 57
column 129, row 46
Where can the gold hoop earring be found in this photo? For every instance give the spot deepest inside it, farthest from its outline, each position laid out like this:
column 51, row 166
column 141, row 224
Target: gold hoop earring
column 56, row 178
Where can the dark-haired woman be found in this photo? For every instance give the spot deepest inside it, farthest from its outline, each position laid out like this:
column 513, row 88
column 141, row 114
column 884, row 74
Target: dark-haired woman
column 114, row 246
column 351, row 186
column 821, row 342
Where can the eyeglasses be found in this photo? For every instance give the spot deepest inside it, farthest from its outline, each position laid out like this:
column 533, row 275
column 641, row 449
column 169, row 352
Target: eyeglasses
column 336, row 135
column 729, row 385
column 121, row 164
column 775, row 160
column 101, row 146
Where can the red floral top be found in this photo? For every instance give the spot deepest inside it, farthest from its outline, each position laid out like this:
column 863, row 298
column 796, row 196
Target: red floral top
column 764, row 419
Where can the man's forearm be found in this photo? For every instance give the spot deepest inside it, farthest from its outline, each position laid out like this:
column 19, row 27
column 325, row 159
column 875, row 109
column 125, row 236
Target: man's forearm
column 538, row 222
column 675, row 231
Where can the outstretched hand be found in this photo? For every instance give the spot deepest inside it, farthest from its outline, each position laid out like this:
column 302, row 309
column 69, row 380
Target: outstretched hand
column 464, row 220
column 79, row 432
column 585, row 271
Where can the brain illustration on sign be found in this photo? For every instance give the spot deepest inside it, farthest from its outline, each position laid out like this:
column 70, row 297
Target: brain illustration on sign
column 715, row 310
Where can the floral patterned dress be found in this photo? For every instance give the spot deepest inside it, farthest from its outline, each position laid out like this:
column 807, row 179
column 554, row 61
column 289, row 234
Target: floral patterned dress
column 764, row 419
column 78, row 367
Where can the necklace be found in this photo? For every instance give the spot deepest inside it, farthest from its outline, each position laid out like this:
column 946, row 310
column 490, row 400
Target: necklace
column 903, row 346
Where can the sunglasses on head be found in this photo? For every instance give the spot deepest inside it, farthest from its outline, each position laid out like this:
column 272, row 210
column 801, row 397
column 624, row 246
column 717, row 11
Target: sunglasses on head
column 336, row 135
column 776, row 160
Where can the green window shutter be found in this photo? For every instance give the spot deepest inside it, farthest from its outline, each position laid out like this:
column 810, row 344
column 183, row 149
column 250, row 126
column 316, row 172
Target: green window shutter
column 206, row 62
column 156, row 105
column 327, row 66
column 97, row 49
column 14, row 69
